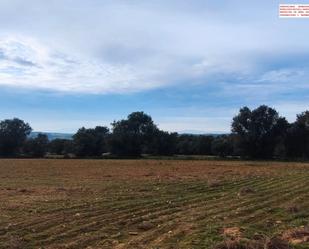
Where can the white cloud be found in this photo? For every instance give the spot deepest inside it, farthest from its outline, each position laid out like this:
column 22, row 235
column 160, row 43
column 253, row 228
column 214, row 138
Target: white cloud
column 283, row 76
column 24, row 62
column 124, row 46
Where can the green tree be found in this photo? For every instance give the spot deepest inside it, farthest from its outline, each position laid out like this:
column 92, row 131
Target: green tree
column 257, row 132
column 36, row 147
column 131, row 136
column 91, row 142
column 13, row 134
column 187, row 144
column 163, row 143
column 298, row 137
column 222, row 146
column 61, row 146
column 204, row 144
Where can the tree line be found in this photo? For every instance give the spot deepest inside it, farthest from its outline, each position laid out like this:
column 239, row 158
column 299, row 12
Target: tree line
column 255, row 134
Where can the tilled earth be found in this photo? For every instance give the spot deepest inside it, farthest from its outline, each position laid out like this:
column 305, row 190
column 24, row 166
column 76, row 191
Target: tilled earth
column 151, row 203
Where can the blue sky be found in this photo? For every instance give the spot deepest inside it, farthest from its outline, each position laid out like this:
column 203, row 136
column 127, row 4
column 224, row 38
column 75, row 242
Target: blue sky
column 190, row 64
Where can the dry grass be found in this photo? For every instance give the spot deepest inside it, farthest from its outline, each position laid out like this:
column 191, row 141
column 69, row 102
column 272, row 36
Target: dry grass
column 149, row 203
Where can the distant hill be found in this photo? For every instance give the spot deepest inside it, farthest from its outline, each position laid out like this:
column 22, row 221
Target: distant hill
column 196, row 132
column 52, row 135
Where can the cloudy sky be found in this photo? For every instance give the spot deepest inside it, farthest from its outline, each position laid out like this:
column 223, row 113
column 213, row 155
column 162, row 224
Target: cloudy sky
column 190, row 64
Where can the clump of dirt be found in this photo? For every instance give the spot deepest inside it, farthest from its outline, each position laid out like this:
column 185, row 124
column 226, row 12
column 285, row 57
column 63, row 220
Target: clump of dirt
column 297, row 235
column 245, row 191
column 232, row 232
column 276, row 243
column 273, row 243
column 61, row 189
column 23, row 190
column 292, row 208
column 15, row 242
column 213, row 183
column 231, row 244
column 146, row 226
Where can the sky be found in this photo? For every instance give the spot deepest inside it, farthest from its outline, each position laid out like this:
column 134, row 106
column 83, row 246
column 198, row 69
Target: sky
column 191, row 65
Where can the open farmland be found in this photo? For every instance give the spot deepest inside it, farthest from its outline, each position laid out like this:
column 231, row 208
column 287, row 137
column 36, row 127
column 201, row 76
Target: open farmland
column 150, row 203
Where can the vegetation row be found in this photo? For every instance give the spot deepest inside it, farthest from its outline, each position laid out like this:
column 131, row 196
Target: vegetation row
column 257, row 134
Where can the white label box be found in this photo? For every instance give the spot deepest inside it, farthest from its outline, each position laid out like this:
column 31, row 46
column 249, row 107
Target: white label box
column 294, row 10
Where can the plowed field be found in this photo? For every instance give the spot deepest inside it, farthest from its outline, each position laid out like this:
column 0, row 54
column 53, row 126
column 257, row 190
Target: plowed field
column 149, row 203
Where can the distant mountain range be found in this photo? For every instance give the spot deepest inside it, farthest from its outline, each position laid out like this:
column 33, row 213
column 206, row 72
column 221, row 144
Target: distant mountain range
column 197, row 132
column 52, row 135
